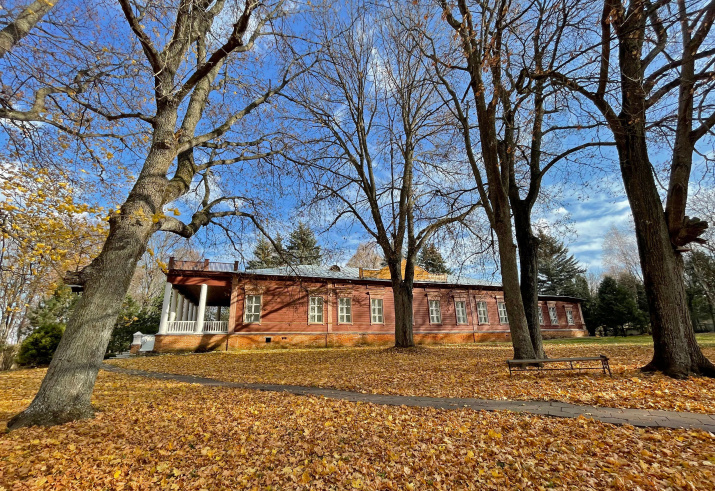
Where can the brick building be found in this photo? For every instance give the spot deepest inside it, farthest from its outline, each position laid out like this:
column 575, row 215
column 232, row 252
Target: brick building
column 209, row 305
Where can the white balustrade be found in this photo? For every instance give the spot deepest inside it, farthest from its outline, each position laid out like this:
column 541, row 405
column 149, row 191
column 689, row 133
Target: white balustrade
column 180, row 327
column 216, row 326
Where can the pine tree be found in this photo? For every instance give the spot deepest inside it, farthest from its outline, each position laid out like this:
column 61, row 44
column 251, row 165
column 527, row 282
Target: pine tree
column 431, row 260
column 616, row 305
column 303, row 247
column 266, row 256
column 557, row 268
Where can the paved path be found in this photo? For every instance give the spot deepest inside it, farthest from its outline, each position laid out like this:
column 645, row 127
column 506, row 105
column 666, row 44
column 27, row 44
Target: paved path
column 637, row 417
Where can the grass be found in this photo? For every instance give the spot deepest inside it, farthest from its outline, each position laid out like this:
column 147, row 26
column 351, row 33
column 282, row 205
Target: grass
column 706, row 340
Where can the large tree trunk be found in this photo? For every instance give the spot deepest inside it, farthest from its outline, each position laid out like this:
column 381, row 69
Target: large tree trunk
column 528, row 245
column 676, row 353
column 66, row 391
column 520, row 338
column 402, row 293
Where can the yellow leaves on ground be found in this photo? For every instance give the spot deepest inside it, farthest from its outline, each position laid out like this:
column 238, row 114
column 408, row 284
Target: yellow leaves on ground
column 477, row 371
column 151, row 434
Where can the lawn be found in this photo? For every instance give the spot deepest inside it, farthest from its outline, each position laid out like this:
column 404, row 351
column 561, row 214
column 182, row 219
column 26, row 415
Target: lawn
column 457, row 371
column 152, row 434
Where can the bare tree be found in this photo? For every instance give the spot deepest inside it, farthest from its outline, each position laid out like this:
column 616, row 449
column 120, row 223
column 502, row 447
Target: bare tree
column 380, row 154
column 191, row 52
column 620, row 253
column 367, row 256
column 664, row 60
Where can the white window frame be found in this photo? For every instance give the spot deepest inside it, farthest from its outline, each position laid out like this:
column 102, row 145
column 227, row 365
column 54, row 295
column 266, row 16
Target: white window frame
column 482, row 309
column 345, row 310
column 464, row 320
column 569, row 317
column 249, row 309
column 541, row 316
column 377, row 311
column 553, row 315
column 435, row 314
column 313, row 313
column 503, row 316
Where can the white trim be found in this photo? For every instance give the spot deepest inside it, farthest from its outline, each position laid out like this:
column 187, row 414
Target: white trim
column 437, row 318
column 246, row 305
column 503, row 314
column 348, row 314
column 456, row 311
column 373, row 316
column 313, row 315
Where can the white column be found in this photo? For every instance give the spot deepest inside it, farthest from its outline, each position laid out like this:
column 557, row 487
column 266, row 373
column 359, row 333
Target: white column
column 180, row 307
column 187, row 307
column 201, row 310
column 172, row 308
column 165, row 308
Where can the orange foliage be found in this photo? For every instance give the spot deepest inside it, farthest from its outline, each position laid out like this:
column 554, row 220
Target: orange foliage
column 477, row 371
column 151, row 434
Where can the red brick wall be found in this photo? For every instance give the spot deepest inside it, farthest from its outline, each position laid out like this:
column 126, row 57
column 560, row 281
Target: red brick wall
column 285, row 308
column 284, row 317
column 207, row 342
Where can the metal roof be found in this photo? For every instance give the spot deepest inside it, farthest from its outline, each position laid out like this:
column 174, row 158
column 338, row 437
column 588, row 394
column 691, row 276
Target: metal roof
column 348, row 273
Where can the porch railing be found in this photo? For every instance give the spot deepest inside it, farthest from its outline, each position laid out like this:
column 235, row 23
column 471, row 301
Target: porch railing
column 181, row 326
column 216, row 326
column 188, row 327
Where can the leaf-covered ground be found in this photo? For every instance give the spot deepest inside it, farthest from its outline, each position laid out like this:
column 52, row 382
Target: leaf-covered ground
column 477, row 371
column 151, row 434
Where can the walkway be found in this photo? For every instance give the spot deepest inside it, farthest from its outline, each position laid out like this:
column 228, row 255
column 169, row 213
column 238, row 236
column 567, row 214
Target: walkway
column 637, row 417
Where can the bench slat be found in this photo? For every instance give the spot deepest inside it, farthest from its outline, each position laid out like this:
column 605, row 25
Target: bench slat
column 555, row 360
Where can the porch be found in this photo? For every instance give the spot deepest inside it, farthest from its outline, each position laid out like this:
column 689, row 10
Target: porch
column 197, row 298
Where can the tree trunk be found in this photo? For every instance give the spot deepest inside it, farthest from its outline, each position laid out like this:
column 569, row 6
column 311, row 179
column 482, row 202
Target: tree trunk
column 66, row 391
column 676, row 353
column 520, row 338
column 529, row 269
column 403, row 298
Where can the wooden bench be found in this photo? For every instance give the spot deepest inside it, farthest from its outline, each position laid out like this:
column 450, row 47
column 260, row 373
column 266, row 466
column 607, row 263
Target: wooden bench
column 530, row 365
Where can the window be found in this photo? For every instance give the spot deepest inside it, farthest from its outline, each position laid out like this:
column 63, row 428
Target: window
column 253, row 309
column 482, row 313
column 541, row 316
column 553, row 316
column 435, row 315
column 460, row 307
column 376, row 311
column 345, row 310
column 315, row 312
column 503, row 318
column 569, row 317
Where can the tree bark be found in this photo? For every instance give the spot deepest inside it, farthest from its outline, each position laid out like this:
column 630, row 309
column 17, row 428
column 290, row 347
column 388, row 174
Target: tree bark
column 403, row 297
column 528, row 245
column 520, row 336
column 11, row 34
column 66, row 391
column 676, row 352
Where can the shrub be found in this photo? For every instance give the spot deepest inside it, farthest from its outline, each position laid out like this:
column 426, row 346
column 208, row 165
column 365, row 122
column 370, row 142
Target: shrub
column 39, row 347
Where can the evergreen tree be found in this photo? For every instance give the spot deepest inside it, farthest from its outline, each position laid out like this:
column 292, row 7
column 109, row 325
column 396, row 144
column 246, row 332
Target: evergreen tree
column 266, row 256
column 616, row 305
column 557, row 268
column 303, row 247
column 431, row 260
column 580, row 289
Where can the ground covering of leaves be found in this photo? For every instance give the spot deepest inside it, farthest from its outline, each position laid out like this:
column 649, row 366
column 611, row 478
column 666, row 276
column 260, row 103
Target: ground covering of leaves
column 477, row 371
column 152, row 434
